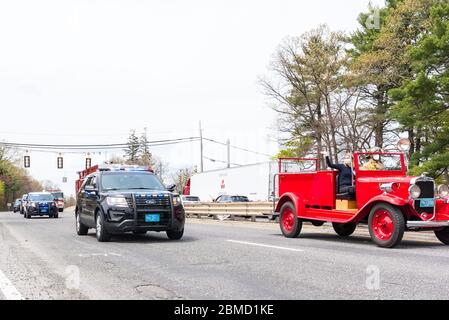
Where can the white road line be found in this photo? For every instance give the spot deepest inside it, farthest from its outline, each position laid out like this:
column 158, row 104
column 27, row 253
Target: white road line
column 9, row 291
column 265, row 246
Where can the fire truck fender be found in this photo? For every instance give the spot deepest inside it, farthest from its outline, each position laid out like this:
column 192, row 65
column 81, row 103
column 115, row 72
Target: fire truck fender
column 290, row 197
column 401, row 203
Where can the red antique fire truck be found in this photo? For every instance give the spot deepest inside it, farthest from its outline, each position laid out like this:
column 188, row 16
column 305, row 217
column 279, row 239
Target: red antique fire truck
column 384, row 198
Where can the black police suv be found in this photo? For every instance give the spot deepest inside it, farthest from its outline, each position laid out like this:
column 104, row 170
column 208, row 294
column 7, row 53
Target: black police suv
column 40, row 204
column 116, row 201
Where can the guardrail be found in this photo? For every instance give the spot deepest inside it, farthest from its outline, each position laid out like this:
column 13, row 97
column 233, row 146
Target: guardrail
column 223, row 211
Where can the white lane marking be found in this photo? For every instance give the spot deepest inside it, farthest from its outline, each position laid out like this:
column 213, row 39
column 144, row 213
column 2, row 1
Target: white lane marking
column 7, row 288
column 88, row 255
column 265, row 245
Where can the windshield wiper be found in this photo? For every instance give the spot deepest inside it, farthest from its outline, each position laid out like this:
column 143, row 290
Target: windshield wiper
column 142, row 189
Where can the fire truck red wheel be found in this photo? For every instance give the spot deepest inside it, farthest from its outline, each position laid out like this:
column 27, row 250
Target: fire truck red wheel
column 291, row 225
column 443, row 235
column 386, row 225
column 344, row 229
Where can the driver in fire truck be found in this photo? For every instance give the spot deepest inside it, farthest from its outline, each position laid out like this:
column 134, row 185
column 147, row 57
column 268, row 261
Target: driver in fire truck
column 345, row 175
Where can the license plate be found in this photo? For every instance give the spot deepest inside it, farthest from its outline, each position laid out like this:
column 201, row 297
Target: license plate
column 44, row 210
column 427, row 203
column 152, row 218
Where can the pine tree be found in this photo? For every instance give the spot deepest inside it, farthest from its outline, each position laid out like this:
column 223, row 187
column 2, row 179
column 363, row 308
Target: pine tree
column 423, row 101
column 133, row 148
column 145, row 156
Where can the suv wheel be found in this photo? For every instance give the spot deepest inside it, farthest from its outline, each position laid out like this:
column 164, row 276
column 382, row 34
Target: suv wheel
column 175, row 235
column 102, row 234
column 291, row 225
column 386, row 225
column 81, row 229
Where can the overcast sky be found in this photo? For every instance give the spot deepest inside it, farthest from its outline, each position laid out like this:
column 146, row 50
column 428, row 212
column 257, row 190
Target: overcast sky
column 90, row 71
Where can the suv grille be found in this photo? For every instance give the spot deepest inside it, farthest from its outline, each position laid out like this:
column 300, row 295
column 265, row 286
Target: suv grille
column 427, row 192
column 152, row 204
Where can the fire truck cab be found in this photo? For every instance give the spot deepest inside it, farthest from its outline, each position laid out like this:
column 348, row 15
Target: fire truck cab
column 384, row 198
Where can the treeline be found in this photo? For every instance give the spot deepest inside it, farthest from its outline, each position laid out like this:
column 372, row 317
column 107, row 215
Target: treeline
column 340, row 93
column 14, row 181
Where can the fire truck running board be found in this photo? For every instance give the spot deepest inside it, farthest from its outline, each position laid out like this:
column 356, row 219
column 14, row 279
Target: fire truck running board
column 427, row 224
column 330, row 215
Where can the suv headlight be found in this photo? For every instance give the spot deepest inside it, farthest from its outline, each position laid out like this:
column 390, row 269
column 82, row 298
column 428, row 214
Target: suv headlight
column 117, row 202
column 414, row 191
column 443, row 191
column 33, row 204
column 177, row 201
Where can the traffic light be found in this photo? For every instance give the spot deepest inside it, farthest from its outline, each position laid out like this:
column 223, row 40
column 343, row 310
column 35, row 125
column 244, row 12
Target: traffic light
column 88, row 163
column 60, row 162
column 26, row 161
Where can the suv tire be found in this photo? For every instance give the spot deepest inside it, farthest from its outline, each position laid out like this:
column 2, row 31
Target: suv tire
column 102, row 234
column 175, row 235
column 81, row 229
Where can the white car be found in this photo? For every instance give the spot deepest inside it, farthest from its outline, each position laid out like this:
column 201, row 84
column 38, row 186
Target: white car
column 190, row 199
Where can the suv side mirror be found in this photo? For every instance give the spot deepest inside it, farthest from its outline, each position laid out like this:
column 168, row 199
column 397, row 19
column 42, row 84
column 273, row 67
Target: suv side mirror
column 171, row 187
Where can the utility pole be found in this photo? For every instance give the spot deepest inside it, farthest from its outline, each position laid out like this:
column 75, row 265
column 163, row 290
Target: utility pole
column 228, row 144
column 201, row 148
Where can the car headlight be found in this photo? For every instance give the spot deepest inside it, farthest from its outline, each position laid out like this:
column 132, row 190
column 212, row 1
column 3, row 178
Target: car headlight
column 117, row 202
column 443, row 191
column 33, row 204
column 414, row 191
column 177, row 201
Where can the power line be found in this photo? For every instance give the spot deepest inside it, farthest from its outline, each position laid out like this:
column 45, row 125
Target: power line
column 94, row 146
column 221, row 161
column 237, row 148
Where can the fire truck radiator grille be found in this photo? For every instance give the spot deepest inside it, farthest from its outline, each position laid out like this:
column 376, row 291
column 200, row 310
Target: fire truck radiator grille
column 427, row 192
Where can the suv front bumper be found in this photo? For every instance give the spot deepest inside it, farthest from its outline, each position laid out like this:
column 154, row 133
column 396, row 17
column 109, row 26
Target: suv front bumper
column 130, row 226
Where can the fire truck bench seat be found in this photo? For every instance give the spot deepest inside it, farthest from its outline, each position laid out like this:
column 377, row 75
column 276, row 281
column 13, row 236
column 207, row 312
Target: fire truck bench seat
column 350, row 195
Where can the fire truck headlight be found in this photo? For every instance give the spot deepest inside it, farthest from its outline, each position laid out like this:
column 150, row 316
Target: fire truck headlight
column 443, row 191
column 414, row 191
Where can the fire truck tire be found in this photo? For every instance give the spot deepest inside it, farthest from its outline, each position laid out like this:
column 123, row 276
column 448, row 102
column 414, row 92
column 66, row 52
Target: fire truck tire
column 344, row 229
column 386, row 225
column 443, row 235
column 291, row 225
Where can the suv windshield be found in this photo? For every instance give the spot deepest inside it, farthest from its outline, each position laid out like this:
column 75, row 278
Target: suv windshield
column 41, row 197
column 130, row 181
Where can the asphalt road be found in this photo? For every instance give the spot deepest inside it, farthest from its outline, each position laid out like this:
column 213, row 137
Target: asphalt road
column 45, row 259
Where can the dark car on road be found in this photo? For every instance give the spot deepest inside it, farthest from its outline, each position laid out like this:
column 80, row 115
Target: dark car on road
column 17, row 205
column 40, row 204
column 116, row 200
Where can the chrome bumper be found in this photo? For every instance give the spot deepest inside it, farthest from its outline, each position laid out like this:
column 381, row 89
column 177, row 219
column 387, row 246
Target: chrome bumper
column 427, row 224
